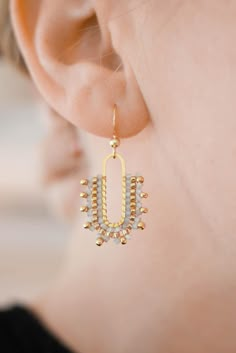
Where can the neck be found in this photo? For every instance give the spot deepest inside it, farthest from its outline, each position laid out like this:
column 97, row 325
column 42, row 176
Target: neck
column 124, row 289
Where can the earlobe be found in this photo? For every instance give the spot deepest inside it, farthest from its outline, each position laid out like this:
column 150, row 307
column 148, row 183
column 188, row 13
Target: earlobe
column 72, row 61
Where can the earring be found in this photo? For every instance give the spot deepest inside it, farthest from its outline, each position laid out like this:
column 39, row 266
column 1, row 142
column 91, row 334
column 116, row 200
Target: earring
column 96, row 200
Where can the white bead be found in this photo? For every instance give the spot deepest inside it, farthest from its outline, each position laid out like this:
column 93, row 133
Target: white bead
column 135, row 225
column 106, row 238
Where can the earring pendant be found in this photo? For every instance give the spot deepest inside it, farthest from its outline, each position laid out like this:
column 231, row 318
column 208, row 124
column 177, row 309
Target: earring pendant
column 95, row 197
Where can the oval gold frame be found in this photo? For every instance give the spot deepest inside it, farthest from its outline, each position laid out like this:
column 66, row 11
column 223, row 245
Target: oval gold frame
column 104, row 195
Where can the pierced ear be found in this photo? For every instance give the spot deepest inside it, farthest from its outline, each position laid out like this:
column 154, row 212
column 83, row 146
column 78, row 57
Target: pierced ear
column 69, row 53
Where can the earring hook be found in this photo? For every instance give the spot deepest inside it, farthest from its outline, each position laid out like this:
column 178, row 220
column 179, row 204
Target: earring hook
column 115, row 141
column 114, row 122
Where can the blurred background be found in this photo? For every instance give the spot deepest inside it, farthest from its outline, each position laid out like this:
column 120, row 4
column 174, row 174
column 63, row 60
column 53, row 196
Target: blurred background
column 32, row 241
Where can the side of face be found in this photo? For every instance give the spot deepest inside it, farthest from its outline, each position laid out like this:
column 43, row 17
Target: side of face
column 169, row 66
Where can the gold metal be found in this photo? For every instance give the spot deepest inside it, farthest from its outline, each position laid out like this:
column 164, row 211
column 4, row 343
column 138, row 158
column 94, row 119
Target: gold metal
column 115, row 141
column 141, row 225
column 87, row 225
column 84, row 209
column 99, row 221
column 96, row 225
column 84, row 195
column 115, row 134
column 104, row 196
column 140, row 179
column 102, row 231
column 123, row 240
column 99, row 241
column 144, row 195
column 84, row 182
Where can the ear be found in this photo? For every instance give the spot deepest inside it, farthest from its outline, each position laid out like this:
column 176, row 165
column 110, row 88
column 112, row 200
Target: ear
column 67, row 46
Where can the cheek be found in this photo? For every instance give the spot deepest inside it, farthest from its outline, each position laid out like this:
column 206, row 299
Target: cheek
column 189, row 82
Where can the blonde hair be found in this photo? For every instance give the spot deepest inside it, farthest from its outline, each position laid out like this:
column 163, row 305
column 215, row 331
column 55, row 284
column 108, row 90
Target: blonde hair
column 8, row 45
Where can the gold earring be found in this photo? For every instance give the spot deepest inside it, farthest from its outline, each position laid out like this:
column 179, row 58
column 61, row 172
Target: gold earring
column 96, row 205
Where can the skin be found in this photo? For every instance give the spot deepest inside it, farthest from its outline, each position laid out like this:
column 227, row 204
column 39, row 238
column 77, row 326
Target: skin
column 172, row 288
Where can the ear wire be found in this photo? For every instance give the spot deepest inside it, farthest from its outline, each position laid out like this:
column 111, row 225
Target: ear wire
column 115, row 141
